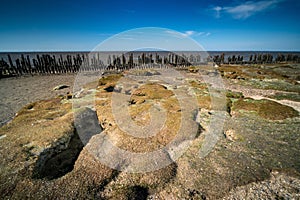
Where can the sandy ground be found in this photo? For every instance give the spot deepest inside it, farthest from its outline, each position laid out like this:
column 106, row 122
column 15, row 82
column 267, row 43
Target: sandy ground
column 16, row 92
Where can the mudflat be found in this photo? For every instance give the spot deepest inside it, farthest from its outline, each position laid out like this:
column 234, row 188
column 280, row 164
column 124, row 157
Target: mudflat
column 255, row 154
column 16, row 92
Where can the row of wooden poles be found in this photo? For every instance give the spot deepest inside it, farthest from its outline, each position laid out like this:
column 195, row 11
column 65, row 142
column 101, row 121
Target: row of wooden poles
column 256, row 59
column 42, row 64
column 50, row 64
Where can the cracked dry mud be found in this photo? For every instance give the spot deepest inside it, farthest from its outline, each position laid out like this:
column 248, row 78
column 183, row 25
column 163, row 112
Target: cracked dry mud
column 256, row 154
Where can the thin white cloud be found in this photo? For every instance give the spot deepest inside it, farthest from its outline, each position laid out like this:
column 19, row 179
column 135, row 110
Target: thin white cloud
column 188, row 33
column 194, row 33
column 246, row 9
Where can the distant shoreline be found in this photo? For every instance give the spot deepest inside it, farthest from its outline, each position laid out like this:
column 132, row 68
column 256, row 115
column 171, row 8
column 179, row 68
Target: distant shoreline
column 209, row 51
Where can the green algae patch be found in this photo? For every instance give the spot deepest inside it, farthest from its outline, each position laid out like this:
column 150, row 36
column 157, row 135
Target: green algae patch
column 235, row 95
column 267, row 109
column 286, row 96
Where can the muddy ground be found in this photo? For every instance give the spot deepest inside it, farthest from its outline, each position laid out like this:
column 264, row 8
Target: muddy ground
column 256, row 154
column 16, row 92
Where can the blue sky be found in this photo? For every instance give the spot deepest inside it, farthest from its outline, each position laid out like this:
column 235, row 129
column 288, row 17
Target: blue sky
column 58, row 25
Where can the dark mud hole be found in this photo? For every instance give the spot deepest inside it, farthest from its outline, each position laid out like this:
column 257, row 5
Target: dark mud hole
column 56, row 162
column 137, row 192
column 60, row 159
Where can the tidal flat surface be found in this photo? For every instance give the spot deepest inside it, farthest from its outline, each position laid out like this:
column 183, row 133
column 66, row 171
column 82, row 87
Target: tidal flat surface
column 256, row 154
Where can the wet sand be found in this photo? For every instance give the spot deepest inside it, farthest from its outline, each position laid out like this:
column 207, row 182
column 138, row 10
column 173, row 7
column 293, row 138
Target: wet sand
column 16, row 92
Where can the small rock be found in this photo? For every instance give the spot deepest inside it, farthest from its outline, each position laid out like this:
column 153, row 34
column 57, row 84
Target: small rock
column 87, row 124
column 230, row 135
column 59, row 87
column 78, row 93
column 2, row 136
column 128, row 92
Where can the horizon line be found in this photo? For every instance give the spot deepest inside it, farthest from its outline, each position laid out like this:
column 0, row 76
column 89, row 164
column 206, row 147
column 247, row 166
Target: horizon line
column 88, row 51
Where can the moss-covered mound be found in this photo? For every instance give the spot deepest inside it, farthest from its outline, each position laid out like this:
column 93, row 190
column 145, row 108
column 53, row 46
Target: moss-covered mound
column 110, row 79
column 265, row 108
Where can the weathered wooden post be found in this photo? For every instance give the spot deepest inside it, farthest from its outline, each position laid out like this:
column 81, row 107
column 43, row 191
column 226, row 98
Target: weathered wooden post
column 14, row 69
